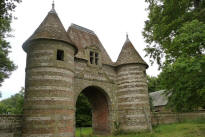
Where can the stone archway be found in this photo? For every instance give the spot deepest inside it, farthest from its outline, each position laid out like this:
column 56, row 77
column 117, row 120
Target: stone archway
column 99, row 101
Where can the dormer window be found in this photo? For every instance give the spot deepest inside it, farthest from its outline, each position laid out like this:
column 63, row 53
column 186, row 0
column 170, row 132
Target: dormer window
column 91, row 57
column 94, row 58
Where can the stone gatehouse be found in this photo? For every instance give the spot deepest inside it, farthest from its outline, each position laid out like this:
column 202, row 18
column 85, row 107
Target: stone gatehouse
column 60, row 65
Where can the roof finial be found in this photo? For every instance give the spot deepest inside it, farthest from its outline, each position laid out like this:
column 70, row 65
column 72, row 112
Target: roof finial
column 127, row 38
column 53, row 5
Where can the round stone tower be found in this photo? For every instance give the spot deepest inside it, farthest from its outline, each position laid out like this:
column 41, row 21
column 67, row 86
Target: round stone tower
column 132, row 95
column 49, row 105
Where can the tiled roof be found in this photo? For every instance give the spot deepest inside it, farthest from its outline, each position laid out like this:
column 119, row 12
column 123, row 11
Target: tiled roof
column 50, row 28
column 129, row 55
column 159, row 98
column 84, row 38
column 82, row 29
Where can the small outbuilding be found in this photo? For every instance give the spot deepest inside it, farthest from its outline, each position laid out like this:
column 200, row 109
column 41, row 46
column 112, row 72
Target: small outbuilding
column 159, row 100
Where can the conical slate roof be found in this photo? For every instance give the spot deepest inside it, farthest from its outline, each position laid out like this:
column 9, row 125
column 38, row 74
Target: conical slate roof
column 129, row 55
column 50, row 28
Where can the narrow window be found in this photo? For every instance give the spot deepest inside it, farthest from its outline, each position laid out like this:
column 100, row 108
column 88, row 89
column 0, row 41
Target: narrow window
column 96, row 58
column 60, row 55
column 91, row 57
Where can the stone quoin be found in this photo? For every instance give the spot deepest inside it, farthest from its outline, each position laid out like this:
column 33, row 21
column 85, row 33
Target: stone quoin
column 60, row 65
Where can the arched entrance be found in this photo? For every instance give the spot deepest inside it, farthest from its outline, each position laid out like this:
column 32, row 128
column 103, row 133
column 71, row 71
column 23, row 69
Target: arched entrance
column 99, row 101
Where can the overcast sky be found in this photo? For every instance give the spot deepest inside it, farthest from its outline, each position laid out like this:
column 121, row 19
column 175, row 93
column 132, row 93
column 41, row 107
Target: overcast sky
column 110, row 19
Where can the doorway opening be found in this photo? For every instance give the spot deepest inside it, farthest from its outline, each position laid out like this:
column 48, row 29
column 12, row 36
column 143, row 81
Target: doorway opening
column 92, row 109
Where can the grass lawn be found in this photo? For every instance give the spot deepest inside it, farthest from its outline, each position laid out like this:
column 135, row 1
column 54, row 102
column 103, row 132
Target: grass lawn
column 85, row 132
column 185, row 129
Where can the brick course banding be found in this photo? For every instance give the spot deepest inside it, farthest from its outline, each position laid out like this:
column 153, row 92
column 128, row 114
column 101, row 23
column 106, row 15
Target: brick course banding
column 61, row 65
column 133, row 101
column 42, row 86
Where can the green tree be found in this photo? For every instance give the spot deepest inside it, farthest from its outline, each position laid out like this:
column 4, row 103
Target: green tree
column 6, row 9
column 165, row 18
column 185, row 80
column 189, row 41
column 13, row 105
column 175, row 34
column 154, row 83
column 83, row 112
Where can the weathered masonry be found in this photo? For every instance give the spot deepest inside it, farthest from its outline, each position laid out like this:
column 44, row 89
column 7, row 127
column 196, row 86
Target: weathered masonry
column 60, row 65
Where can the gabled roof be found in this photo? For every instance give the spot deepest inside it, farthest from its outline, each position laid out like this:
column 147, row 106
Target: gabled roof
column 84, row 38
column 129, row 55
column 159, row 98
column 50, row 28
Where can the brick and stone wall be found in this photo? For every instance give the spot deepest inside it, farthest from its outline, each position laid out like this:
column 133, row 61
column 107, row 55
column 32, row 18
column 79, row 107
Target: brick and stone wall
column 133, row 101
column 103, row 94
column 168, row 117
column 49, row 98
column 10, row 125
column 93, row 78
column 110, row 72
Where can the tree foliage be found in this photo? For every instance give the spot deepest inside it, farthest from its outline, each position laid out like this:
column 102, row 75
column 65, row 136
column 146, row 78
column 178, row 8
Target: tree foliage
column 6, row 9
column 185, row 80
column 13, row 105
column 175, row 34
column 83, row 112
column 165, row 19
column 154, row 83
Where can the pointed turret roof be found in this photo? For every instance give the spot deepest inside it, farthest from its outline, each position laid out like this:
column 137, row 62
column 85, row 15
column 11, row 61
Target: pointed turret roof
column 50, row 28
column 129, row 55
